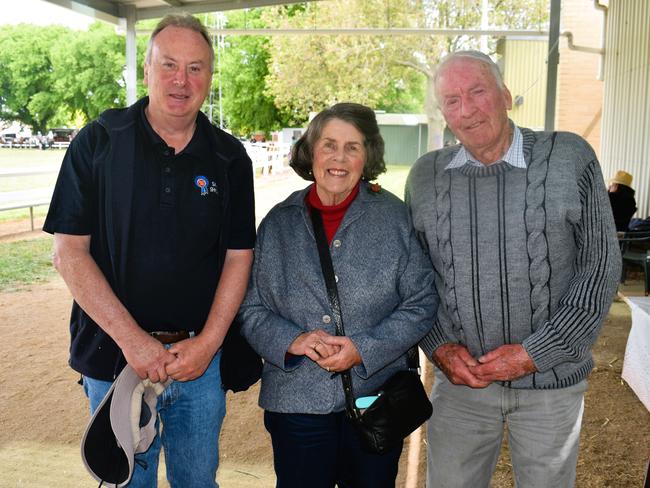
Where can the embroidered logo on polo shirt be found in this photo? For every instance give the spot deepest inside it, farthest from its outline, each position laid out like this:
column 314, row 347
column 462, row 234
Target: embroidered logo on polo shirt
column 205, row 185
column 202, row 182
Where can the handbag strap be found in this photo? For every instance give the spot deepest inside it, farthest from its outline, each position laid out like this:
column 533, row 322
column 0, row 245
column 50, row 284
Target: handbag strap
column 413, row 358
column 335, row 304
column 328, row 269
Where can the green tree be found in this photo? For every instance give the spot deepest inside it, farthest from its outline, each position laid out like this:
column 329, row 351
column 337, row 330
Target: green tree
column 57, row 76
column 88, row 70
column 27, row 76
column 247, row 105
column 311, row 72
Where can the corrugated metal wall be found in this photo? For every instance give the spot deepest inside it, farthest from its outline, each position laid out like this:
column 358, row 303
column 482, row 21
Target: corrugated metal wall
column 402, row 142
column 524, row 73
column 626, row 110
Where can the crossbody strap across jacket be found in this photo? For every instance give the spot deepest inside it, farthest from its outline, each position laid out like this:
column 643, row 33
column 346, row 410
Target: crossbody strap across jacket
column 335, row 304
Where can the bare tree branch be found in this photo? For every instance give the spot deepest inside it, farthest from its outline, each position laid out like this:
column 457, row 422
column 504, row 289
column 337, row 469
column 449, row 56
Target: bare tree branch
column 417, row 67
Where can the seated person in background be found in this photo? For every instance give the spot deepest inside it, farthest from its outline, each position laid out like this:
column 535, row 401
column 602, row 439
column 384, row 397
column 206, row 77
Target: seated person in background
column 639, row 225
column 621, row 197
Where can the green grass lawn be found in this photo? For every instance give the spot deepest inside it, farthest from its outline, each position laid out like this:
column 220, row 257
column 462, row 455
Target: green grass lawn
column 16, row 183
column 12, row 160
column 394, row 179
column 23, row 159
column 22, row 214
column 25, row 262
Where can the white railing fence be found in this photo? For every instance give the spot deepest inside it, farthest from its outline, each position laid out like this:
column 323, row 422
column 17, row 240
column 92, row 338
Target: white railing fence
column 35, row 197
column 34, row 145
column 272, row 157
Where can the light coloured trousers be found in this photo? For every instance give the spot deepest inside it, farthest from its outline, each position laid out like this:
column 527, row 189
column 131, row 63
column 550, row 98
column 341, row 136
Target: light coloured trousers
column 467, row 425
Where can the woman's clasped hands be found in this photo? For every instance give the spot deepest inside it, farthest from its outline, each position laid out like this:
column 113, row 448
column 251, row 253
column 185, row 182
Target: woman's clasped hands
column 332, row 353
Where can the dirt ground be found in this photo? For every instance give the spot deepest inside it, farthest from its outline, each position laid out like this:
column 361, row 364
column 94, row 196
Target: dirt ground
column 43, row 411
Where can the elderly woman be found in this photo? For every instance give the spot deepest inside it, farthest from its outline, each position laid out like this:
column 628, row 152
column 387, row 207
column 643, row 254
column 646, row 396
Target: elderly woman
column 384, row 282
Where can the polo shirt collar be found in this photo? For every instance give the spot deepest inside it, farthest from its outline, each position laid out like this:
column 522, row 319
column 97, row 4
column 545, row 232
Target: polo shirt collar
column 514, row 155
column 197, row 146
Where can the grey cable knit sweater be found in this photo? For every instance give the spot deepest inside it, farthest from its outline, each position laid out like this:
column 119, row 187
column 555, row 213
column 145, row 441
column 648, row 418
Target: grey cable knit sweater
column 524, row 256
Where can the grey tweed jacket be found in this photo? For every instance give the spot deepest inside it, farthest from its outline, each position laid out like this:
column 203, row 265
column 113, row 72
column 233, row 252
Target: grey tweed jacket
column 385, row 284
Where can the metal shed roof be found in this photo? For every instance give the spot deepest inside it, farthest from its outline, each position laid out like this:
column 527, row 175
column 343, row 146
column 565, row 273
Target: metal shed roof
column 114, row 10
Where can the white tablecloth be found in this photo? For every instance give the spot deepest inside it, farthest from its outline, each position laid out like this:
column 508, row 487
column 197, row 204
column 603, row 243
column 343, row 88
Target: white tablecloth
column 636, row 366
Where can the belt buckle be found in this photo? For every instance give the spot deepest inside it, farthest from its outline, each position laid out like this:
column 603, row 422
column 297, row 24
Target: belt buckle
column 169, row 337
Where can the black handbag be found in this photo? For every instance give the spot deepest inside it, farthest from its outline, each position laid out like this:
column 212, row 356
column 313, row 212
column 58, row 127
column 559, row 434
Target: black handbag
column 402, row 404
column 241, row 366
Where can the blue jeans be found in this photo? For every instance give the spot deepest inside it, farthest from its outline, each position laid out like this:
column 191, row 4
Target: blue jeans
column 319, row 451
column 191, row 413
column 467, row 427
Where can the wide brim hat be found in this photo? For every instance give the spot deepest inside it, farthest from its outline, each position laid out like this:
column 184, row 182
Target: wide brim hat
column 622, row 178
column 123, row 425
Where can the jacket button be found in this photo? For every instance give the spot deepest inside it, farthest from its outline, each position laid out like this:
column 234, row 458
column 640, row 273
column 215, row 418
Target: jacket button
column 327, row 319
column 336, row 243
column 168, row 190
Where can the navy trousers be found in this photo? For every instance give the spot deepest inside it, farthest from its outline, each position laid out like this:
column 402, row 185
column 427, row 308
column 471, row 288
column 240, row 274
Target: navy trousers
column 321, row 451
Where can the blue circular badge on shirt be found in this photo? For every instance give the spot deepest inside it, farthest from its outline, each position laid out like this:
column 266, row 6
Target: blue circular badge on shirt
column 203, row 184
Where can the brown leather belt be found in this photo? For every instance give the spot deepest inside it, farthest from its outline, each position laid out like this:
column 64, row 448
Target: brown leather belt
column 169, row 337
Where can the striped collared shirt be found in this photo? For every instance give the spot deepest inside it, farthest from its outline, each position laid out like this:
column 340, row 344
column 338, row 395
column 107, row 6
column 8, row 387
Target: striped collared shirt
column 514, row 156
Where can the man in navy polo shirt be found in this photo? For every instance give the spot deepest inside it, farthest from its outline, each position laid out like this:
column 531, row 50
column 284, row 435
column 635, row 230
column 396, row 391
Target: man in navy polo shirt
column 153, row 223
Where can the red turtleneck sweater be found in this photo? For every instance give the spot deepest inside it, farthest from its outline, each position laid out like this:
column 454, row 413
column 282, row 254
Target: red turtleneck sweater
column 332, row 214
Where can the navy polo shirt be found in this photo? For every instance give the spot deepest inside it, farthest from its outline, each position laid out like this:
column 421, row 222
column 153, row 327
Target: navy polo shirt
column 175, row 225
column 173, row 245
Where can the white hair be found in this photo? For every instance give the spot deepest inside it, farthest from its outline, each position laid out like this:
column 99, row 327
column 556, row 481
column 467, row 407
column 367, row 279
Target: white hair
column 475, row 56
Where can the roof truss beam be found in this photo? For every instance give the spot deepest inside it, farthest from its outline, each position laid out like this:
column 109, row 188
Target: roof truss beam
column 174, row 3
column 528, row 34
column 208, row 6
column 97, row 9
column 114, row 12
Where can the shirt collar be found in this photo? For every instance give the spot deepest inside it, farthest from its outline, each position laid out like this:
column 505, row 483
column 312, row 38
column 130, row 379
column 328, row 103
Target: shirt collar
column 196, row 147
column 514, row 155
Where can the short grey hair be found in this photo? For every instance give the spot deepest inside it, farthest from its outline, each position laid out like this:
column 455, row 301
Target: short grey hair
column 475, row 56
column 183, row 21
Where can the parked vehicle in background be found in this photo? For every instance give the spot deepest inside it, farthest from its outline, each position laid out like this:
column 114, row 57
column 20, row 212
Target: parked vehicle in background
column 62, row 134
column 17, row 136
column 8, row 138
column 59, row 137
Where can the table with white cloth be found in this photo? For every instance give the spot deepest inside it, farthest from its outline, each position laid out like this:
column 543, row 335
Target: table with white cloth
column 636, row 366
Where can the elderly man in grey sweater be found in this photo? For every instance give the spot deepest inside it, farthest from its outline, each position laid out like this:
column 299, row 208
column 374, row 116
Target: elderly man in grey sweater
column 521, row 235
